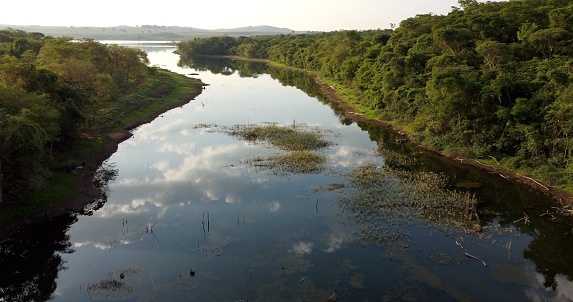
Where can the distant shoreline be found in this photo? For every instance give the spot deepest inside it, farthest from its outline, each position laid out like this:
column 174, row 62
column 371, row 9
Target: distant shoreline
column 150, row 32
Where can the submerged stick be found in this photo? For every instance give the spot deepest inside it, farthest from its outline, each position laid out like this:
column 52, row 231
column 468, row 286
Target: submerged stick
column 476, row 258
column 508, row 248
column 203, row 222
column 153, row 233
column 525, row 218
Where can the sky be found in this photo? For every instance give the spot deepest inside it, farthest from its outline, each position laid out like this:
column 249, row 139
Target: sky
column 319, row 15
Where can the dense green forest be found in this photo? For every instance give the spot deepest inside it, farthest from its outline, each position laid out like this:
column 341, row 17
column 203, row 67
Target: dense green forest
column 491, row 80
column 52, row 92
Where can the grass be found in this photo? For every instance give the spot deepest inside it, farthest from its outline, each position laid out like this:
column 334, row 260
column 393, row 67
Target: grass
column 161, row 90
column 61, row 184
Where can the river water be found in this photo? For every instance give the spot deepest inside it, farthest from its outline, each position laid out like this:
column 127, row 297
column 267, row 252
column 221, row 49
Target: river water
column 189, row 217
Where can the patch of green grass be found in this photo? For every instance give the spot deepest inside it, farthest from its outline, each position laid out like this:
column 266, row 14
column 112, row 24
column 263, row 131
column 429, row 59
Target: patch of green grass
column 163, row 90
column 284, row 138
column 299, row 162
column 352, row 96
column 60, row 188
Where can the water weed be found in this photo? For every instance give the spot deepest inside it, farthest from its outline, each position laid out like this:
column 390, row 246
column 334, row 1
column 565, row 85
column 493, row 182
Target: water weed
column 297, row 143
column 402, row 198
column 288, row 138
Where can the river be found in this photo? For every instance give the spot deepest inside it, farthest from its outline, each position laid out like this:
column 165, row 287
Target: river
column 196, row 213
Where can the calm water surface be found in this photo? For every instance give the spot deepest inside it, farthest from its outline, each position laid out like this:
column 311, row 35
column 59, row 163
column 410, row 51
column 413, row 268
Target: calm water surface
column 188, row 219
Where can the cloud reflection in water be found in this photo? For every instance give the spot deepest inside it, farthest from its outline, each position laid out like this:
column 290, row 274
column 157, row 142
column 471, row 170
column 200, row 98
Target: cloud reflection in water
column 302, row 248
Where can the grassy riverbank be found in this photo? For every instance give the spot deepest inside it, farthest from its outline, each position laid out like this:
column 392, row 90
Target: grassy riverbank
column 71, row 185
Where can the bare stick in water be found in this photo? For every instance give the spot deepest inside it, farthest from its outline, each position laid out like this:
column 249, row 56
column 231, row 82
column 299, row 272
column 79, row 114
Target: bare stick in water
column 476, row 258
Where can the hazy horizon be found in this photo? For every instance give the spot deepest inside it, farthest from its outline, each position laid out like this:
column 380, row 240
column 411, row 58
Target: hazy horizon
column 299, row 15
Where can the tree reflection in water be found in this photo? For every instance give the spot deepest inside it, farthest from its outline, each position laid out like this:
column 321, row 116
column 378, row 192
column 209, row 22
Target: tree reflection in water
column 33, row 259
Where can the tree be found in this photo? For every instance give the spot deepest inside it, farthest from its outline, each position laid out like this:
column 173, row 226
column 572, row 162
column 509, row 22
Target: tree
column 494, row 53
column 547, row 41
column 454, row 39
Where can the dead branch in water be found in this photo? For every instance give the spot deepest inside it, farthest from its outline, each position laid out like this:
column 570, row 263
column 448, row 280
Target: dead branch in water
column 525, row 219
column 535, row 181
column 564, row 211
column 476, row 258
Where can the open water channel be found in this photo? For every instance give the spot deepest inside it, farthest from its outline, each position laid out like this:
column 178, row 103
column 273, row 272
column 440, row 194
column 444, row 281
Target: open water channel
column 196, row 213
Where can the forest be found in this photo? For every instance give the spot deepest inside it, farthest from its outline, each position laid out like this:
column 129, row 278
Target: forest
column 489, row 80
column 53, row 92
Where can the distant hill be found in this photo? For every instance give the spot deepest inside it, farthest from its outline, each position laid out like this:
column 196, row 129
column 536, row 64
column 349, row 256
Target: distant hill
column 263, row 29
column 150, row 32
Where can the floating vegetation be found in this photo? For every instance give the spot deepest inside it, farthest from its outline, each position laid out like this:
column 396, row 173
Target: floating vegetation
column 292, row 162
column 292, row 138
column 112, row 288
column 506, row 273
column 204, row 126
column 215, row 245
column 399, row 198
column 328, row 187
column 298, row 142
column 109, row 289
column 357, row 281
column 209, row 128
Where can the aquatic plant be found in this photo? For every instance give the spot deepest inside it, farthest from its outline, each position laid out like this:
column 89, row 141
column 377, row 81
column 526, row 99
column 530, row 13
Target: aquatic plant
column 399, row 198
column 290, row 138
column 295, row 140
column 109, row 289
